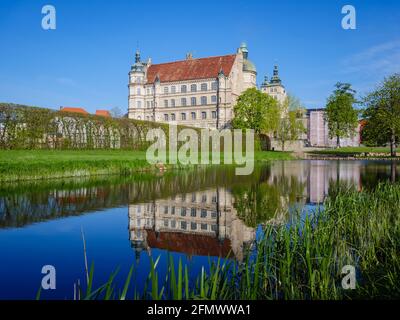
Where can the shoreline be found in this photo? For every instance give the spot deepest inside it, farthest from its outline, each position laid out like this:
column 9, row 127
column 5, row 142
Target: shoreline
column 36, row 165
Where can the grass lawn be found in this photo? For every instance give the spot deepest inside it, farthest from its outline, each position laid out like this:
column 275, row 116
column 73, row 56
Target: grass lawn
column 352, row 150
column 41, row 164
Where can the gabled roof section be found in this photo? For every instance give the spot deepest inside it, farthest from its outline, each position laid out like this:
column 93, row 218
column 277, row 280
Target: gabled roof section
column 103, row 113
column 73, row 109
column 191, row 69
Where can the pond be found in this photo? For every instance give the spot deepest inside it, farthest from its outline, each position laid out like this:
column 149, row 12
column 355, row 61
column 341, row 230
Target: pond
column 193, row 215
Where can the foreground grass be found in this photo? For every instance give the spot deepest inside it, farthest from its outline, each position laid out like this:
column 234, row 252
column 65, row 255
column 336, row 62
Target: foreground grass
column 303, row 261
column 18, row 165
column 349, row 151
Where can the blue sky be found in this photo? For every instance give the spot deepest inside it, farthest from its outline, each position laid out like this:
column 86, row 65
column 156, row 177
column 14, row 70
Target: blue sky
column 86, row 60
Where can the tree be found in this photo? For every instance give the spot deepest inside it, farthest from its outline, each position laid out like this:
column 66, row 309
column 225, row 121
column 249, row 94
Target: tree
column 256, row 110
column 116, row 112
column 290, row 125
column 341, row 116
column 382, row 113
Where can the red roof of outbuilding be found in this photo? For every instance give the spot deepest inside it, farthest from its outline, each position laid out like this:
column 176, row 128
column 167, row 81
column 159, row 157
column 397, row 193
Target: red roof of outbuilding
column 191, row 69
column 103, row 113
column 71, row 109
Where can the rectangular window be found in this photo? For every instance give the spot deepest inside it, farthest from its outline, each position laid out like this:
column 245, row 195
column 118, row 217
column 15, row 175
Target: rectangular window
column 203, row 213
column 193, row 197
column 214, row 85
column 139, row 104
column 204, row 226
column 184, row 88
column 173, row 210
column 214, row 114
column 204, row 87
column 173, row 224
column 173, row 116
column 173, row 89
column 183, row 116
column 166, row 223
column 166, row 117
column 204, row 198
column 173, row 103
column 193, row 101
column 214, row 99
column 166, row 103
column 193, row 212
column 183, row 102
column 165, row 209
column 183, row 225
column 193, row 115
column 148, row 104
column 204, row 115
column 183, row 211
column 193, row 225
column 193, row 88
column 166, row 90
column 203, row 100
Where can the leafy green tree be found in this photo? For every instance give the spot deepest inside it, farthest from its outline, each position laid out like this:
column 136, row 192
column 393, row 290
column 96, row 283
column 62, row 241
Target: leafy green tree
column 382, row 113
column 290, row 128
column 290, row 125
column 341, row 115
column 256, row 110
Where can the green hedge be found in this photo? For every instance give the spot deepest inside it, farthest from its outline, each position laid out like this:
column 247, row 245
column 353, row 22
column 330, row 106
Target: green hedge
column 25, row 127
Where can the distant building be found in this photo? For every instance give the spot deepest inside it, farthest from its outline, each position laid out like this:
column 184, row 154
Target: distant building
column 73, row 109
column 318, row 132
column 103, row 113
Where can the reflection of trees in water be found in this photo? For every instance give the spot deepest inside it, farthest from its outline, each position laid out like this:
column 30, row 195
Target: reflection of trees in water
column 22, row 204
column 379, row 171
column 267, row 200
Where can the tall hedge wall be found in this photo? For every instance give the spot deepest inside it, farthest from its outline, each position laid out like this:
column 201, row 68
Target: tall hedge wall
column 25, row 127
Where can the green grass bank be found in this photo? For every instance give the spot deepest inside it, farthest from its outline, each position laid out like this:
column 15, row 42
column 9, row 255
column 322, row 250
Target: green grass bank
column 16, row 165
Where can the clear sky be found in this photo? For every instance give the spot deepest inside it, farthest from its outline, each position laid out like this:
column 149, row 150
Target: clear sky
column 86, row 60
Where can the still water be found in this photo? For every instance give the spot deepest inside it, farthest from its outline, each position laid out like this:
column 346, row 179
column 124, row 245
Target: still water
column 192, row 215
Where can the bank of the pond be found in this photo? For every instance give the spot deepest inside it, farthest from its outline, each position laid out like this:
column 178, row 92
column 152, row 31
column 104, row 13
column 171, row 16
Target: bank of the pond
column 17, row 165
column 303, row 261
column 352, row 153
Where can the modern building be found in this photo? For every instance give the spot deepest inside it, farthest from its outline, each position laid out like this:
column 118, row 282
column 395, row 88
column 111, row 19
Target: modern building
column 318, row 132
column 193, row 92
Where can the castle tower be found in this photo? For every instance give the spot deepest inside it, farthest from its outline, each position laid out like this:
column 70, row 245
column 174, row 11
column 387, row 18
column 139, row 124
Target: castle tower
column 274, row 87
column 136, row 88
column 249, row 69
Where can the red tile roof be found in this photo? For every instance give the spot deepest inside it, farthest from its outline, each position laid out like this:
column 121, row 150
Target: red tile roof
column 191, row 69
column 192, row 244
column 71, row 109
column 104, row 113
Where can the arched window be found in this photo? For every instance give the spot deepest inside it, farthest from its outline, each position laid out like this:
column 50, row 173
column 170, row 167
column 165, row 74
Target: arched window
column 184, row 88
column 193, row 101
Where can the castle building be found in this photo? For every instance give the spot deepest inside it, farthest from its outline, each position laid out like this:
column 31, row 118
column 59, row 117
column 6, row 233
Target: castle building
column 193, row 92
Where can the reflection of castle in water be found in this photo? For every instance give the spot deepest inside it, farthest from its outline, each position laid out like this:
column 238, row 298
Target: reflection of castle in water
column 198, row 223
